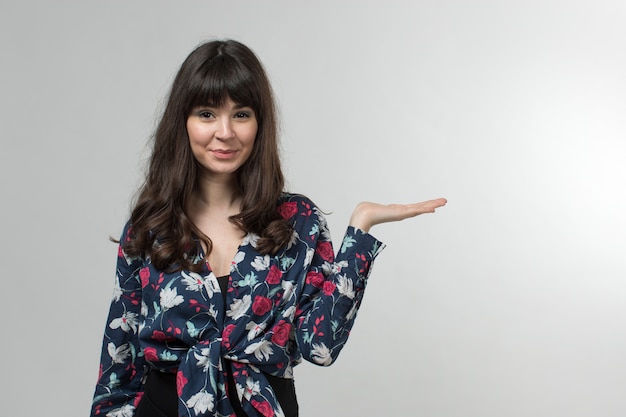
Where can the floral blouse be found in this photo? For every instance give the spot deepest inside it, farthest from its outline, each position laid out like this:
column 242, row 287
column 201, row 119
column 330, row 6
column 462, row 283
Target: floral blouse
column 299, row 303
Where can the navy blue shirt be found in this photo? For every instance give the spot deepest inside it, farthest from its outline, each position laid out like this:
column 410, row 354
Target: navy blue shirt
column 299, row 303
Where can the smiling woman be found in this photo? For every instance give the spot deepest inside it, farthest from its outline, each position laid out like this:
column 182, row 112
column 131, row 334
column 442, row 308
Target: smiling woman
column 225, row 281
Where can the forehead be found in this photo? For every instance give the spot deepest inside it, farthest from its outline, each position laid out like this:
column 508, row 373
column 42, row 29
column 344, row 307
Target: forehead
column 222, row 98
column 226, row 103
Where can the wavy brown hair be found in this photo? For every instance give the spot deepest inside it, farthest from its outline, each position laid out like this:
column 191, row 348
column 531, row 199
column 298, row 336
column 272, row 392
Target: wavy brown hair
column 161, row 228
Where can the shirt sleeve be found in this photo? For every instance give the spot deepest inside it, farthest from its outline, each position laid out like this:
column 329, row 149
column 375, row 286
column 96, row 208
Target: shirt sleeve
column 119, row 386
column 333, row 289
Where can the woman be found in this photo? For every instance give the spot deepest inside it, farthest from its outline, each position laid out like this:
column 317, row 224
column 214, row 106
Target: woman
column 224, row 281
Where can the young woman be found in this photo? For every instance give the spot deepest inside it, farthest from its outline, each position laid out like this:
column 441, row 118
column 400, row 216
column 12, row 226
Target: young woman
column 225, row 281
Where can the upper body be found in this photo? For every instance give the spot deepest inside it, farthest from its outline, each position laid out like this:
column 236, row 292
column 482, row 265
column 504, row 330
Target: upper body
column 300, row 302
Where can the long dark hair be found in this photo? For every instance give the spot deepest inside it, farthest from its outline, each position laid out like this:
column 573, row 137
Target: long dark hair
column 161, row 228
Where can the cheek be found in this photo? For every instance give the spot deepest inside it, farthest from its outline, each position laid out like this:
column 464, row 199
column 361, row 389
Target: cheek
column 198, row 137
column 252, row 135
column 192, row 132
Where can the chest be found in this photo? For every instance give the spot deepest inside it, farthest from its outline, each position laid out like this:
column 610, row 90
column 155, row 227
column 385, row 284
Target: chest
column 226, row 241
column 251, row 276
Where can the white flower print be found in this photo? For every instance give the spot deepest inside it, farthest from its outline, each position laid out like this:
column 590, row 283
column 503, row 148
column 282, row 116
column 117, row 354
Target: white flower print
column 239, row 256
column 117, row 290
column 252, row 388
column 323, row 225
column 203, row 359
column 144, row 309
column 321, row 354
column 213, row 311
column 288, row 289
column 127, row 322
column 308, row 258
column 333, row 268
column 192, row 280
column 261, row 263
column 170, row 298
column 124, row 411
column 250, row 239
column 294, row 238
column 346, row 287
column 289, row 312
column 118, row 354
column 262, row 350
column 239, row 307
column 255, row 329
column 201, row 402
column 352, row 312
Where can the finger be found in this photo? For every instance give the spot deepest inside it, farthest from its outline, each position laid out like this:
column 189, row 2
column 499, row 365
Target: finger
column 426, row 206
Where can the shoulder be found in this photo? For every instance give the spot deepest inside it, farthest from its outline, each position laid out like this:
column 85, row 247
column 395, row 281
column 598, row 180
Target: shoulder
column 127, row 236
column 304, row 215
column 294, row 197
column 292, row 206
column 127, row 232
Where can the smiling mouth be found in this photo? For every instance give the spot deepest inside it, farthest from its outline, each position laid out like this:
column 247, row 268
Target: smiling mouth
column 224, row 153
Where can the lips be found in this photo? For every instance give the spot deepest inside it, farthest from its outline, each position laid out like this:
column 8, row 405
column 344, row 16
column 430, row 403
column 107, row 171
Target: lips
column 224, row 153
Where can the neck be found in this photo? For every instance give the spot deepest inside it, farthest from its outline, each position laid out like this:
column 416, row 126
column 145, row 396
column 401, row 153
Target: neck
column 218, row 193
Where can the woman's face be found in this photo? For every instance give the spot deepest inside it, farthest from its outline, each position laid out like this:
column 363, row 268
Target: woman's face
column 222, row 138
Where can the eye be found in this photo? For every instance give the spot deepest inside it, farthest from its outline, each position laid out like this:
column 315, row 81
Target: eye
column 205, row 114
column 245, row 114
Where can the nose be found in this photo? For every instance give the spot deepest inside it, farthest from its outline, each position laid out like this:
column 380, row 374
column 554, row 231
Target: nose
column 225, row 130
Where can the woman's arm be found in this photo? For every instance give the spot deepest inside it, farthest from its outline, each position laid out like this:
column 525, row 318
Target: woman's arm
column 121, row 364
column 334, row 285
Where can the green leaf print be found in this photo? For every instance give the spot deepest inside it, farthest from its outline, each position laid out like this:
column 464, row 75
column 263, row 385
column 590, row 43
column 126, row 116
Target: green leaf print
column 249, row 280
column 348, row 242
column 286, row 263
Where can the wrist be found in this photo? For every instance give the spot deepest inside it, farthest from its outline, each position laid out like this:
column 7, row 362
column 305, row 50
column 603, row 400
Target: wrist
column 359, row 219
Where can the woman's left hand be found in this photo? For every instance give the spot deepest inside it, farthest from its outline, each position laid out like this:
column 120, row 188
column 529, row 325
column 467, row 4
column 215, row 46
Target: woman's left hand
column 367, row 214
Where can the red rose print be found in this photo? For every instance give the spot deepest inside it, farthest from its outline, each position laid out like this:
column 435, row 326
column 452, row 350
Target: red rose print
column 315, row 278
column 329, row 288
column 274, row 275
column 160, row 336
column 226, row 335
column 150, row 354
column 264, row 408
column 281, row 333
column 181, row 381
column 325, row 251
column 261, row 305
column 144, row 274
column 288, row 209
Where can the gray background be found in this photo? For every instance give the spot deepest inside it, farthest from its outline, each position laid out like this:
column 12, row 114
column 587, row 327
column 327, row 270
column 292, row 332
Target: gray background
column 508, row 302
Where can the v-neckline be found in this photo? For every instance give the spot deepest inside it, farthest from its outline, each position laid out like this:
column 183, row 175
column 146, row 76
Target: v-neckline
column 244, row 241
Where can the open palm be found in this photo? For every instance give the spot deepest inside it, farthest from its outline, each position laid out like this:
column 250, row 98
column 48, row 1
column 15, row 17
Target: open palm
column 367, row 214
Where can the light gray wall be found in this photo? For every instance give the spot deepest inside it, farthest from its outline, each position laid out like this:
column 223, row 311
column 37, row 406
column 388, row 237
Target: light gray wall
column 508, row 302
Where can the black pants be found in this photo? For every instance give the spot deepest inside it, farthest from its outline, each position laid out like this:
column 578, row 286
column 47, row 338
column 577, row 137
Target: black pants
column 159, row 396
column 160, row 399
